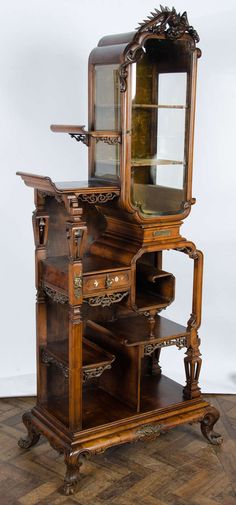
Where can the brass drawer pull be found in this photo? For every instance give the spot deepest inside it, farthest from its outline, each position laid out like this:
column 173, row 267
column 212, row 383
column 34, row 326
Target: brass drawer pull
column 108, row 282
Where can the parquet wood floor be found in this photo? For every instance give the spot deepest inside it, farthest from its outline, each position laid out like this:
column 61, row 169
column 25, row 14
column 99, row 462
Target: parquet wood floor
column 178, row 468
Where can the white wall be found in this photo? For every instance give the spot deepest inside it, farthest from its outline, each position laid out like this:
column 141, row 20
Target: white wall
column 43, row 61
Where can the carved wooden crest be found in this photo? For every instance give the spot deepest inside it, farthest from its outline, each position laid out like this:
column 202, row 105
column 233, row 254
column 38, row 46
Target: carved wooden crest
column 162, row 21
column 167, row 21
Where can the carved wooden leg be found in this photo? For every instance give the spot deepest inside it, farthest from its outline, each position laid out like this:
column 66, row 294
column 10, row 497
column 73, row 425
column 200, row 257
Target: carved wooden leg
column 33, row 435
column 73, row 463
column 192, row 363
column 210, row 418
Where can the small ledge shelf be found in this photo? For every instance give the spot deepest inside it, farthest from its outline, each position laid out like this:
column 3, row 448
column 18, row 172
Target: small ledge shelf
column 95, row 359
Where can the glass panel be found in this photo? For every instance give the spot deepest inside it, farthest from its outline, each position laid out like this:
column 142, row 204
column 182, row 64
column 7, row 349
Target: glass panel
column 106, row 117
column 106, row 160
column 160, row 111
column 107, row 97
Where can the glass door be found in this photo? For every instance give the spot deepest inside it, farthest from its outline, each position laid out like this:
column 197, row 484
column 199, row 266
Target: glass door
column 160, row 116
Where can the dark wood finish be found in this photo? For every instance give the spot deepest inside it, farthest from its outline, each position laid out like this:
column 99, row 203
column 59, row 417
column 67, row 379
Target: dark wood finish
column 99, row 264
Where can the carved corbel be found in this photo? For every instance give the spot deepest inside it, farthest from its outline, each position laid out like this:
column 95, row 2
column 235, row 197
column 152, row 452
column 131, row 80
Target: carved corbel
column 76, row 236
column 40, row 227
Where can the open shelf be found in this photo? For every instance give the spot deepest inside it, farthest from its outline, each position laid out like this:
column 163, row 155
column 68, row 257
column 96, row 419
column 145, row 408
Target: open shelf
column 99, row 407
column 155, row 288
column 134, row 330
column 93, row 355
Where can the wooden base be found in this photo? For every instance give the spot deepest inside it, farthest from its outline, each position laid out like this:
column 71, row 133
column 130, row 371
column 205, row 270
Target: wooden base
column 137, row 426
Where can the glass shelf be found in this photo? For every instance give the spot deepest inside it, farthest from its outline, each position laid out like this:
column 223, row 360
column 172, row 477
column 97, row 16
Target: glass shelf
column 157, row 106
column 150, row 161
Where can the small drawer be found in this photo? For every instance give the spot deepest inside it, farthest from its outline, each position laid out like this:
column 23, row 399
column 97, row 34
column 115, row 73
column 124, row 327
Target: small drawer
column 112, row 281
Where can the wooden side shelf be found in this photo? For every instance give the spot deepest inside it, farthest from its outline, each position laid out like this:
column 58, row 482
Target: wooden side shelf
column 134, row 330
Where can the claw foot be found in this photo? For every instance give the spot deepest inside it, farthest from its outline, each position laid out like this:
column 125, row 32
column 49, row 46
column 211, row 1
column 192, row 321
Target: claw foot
column 210, row 418
column 32, row 436
column 72, row 478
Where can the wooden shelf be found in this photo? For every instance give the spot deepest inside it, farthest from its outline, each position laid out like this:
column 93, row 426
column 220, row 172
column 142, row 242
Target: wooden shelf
column 146, row 301
column 93, row 355
column 45, row 183
column 134, row 330
column 99, row 407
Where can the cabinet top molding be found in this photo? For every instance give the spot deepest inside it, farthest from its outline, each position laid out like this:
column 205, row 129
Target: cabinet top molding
column 167, row 21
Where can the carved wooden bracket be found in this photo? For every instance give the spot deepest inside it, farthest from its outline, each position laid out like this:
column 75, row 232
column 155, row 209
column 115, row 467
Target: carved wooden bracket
column 106, row 300
column 94, row 198
column 92, row 373
column 55, row 295
column 80, row 137
column 48, row 359
column 192, row 253
column 179, row 342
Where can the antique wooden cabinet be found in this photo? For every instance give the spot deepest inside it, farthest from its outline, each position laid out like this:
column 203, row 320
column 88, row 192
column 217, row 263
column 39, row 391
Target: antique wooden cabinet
column 101, row 286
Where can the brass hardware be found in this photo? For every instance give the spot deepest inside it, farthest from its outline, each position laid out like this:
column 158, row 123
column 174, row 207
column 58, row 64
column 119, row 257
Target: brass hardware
column 96, row 283
column 78, row 283
column 161, row 233
column 116, row 278
column 150, row 431
column 108, row 282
